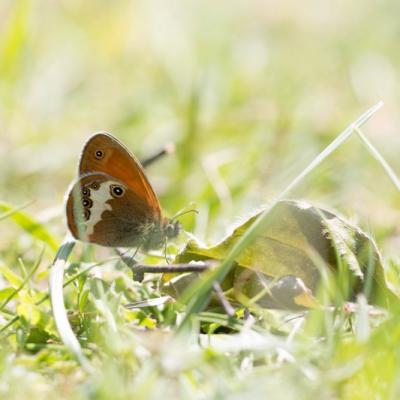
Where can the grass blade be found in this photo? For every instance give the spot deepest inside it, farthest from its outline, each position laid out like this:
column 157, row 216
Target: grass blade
column 378, row 156
column 29, row 225
column 47, row 296
column 24, row 282
column 13, row 211
column 57, row 301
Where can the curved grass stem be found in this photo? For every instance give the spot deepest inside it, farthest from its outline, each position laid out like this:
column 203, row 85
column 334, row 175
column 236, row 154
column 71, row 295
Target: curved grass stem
column 57, row 301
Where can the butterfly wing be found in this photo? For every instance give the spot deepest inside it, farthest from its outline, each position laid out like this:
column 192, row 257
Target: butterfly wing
column 103, row 153
column 104, row 210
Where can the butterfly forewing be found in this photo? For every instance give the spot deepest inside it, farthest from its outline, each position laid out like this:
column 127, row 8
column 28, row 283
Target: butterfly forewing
column 101, row 209
column 103, row 153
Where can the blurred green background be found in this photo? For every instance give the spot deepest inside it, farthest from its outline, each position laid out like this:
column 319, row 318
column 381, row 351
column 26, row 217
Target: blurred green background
column 249, row 91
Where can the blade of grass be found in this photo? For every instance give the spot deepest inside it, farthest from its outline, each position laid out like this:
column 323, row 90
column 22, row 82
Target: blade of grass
column 30, row 225
column 226, row 320
column 47, row 296
column 13, row 40
column 197, row 295
column 158, row 301
column 57, row 301
column 14, row 211
column 11, row 322
column 378, row 156
column 25, row 281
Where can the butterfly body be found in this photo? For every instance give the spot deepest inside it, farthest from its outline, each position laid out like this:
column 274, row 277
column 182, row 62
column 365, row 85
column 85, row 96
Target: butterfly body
column 112, row 203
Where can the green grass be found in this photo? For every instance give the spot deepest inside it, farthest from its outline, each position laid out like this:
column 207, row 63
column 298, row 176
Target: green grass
column 250, row 93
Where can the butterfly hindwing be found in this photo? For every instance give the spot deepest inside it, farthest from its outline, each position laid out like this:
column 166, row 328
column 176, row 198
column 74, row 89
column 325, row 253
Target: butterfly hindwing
column 104, row 210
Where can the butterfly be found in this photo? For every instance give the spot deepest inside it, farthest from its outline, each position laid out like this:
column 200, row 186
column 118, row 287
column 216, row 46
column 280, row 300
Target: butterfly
column 112, row 203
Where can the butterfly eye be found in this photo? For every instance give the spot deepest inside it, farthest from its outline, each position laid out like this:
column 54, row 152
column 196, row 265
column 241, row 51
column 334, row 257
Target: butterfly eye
column 87, row 203
column 99, row 154
column 85, row 191
column 95, row 185
column 117, row 191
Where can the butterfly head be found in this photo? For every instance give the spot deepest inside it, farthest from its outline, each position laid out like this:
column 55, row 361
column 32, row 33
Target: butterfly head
column 154, row 234
column 172, row 228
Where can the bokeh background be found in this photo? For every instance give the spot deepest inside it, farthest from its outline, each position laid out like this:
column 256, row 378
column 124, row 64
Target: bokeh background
column 250, row 91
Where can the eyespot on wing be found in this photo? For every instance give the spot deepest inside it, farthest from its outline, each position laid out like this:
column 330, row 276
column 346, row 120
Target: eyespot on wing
column 105, row 154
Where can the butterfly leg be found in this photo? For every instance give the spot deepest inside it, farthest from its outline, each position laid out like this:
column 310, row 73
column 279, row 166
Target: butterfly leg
column 137, row 276
column 136, row 251
column 166, row 251
column 130, row 262
column 120, row 252
column 127, row 258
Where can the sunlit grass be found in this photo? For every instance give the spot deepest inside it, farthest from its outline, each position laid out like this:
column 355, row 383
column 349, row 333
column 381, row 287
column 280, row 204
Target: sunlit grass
column 250, row 93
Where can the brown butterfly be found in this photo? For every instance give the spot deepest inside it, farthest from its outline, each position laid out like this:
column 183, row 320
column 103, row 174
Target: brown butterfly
column 112, row 203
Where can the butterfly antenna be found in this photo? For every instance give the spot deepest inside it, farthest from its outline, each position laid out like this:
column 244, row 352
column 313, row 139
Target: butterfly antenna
column 180, row 213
